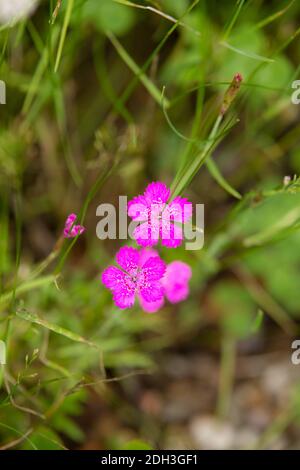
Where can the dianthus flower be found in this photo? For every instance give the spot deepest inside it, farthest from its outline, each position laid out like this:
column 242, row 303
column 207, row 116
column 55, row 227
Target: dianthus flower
column 143, row 275
column 157, row 218
column 71, row 230
column 136, row 277
column 175, row 283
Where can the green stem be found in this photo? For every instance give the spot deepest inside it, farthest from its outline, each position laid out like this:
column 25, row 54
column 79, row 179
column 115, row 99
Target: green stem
column 63, row 33
column 198, row 162
column 150, row 87
column 227, row 368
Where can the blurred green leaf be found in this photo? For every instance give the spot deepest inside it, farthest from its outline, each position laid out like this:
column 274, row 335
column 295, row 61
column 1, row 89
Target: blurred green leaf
column 32, row 318
column 108, row 16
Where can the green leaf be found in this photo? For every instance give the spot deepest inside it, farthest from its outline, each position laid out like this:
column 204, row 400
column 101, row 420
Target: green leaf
column 68, row 427
column 258, row 321
column 25, row 315
column 26, row 286
column 107, row 15
column 148, row 84
column 275, row 216
column 249, row 54
column 44, row 438
column 217, row 175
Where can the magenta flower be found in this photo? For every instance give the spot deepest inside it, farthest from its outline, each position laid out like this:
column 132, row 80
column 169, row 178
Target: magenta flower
column 158, row 219
column 137, row 277
column 71, row 230
column 175, row 283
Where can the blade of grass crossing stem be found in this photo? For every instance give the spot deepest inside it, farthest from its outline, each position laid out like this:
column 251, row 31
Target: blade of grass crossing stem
column 196, row 124
column 95, row 188
column 39, row 71
column 34, row 85
column 36, row 38
column 130, row 88
column 195, row 128
column 193, row 167
column 63, row 130
column 58, row 103
column 183, row 178
column 105, row 82
column 214, row 171
column 157, row 12
column 46, row 56
column 148, row 84
column 211, row 166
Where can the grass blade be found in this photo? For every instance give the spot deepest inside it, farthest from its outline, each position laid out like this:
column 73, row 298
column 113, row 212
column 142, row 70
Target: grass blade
column 32, row 318
column 66, row 22
column 148, row 84
column 216, row 174
column 251, row 55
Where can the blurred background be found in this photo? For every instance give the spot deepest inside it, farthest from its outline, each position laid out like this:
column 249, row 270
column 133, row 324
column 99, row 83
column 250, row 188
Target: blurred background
column 103, row 97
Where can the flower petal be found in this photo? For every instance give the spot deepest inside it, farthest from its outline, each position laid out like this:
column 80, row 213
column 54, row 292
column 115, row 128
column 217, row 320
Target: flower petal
column 176, row 281
column 124, row 299
column 147, row 234
column 146, row 253
column 171, row 234
column 128, row 259
column 151, row 307
column 152, row 270
column 71, row 230
column 71, row 219
column 112, row 277
column 151, row 292
column 138, row 208
column 180, row 209
column 157, row 193
column 122, row 286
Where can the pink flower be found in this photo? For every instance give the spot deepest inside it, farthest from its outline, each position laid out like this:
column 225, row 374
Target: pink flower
column 137, row 277
column 71, row 230
column 175, row 283
column 158, row 219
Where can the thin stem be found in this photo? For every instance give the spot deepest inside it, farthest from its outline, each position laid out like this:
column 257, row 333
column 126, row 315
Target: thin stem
column 197, row 163
column 131, row 64
column 63, row 33
column 227, row 368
